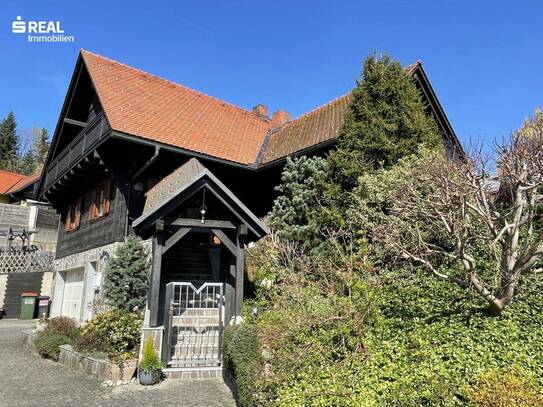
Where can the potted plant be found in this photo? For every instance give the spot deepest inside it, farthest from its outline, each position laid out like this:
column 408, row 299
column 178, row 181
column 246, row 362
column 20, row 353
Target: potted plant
column 150, row 365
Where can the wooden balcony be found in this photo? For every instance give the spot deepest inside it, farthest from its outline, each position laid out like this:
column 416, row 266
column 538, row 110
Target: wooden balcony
column 85, row 142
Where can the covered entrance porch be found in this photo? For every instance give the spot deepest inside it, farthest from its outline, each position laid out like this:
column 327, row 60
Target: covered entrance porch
column 198, row 229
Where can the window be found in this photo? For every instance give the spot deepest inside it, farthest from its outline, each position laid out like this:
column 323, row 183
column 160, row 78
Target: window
column 73, row 215
column 100, row 201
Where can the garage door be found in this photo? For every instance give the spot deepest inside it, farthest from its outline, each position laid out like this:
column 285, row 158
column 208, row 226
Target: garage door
column 73, row 294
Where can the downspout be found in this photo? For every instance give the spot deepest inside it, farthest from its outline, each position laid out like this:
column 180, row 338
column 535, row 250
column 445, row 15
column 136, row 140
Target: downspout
column 132, row 179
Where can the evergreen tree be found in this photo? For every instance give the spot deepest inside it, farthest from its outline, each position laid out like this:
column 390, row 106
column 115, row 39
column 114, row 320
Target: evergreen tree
column 41, row 148
column 386, row 121
column 27, row 163
column 127, row 276
column 294, row 214
column 8, row 143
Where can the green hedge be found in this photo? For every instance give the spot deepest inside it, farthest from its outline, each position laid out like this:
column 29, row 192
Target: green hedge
column 243, row 358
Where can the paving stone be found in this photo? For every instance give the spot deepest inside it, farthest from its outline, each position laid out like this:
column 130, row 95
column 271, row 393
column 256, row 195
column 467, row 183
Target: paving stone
column 27, row 380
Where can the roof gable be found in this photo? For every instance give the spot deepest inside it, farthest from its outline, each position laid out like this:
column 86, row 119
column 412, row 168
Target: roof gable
column 178, row 187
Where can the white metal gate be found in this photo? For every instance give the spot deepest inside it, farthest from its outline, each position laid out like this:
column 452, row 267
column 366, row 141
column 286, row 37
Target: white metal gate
column 194, row 324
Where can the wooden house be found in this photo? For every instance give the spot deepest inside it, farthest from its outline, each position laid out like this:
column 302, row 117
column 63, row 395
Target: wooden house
column 133, row 153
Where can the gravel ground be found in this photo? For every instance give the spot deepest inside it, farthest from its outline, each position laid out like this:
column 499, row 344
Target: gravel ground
column 28, row 380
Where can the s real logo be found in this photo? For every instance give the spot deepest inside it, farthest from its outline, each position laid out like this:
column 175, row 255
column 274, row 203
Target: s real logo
column 18, row 26
column 40, row 31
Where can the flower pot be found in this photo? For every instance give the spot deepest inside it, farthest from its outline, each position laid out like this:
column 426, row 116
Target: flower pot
column 146, row 378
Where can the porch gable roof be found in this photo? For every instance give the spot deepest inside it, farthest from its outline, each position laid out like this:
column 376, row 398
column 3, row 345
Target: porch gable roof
column 183, row 183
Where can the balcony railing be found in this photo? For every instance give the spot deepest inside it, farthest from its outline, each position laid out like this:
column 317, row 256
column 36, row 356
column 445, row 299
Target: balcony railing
column 79, row 147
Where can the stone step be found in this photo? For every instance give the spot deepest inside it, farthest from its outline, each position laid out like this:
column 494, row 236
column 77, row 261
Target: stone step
column 194, row 362
column 191, row 352
column 191, row 373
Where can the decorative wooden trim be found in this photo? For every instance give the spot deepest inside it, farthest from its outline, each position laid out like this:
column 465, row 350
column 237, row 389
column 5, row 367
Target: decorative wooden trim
column 219, row 224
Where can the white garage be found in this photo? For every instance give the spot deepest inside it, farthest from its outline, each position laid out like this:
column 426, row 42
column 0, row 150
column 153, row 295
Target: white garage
column 72, row 298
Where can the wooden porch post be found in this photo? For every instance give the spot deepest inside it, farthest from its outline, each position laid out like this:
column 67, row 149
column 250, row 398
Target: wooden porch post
column 240, row 270
column 158, row 246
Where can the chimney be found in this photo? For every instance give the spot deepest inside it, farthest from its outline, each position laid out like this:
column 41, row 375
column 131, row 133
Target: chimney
column 279, row 118
column 261, row 111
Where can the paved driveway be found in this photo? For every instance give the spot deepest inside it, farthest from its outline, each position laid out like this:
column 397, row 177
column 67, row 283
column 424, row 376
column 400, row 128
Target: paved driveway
column 28, row 380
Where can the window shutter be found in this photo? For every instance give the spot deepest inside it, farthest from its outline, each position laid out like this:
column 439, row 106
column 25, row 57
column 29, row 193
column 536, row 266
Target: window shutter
column 107, row 192
column 68, row 219
column 93, row 210
column 77, row 221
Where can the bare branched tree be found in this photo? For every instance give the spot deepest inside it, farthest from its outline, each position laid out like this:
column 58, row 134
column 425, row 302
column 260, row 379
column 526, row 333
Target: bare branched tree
column 447, row 213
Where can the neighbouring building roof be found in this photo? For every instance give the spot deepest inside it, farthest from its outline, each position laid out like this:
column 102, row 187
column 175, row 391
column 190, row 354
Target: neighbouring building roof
column 149, row 107
column 11, row 182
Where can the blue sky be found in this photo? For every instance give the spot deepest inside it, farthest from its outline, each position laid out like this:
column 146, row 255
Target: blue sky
column 484, row 58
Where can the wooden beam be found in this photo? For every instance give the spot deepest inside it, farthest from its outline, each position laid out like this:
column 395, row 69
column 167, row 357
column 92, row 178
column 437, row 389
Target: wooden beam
column 75, row 122
column 154, row 287
column 226, row 241
column 176, row 237
column 229, row 207
column 239, row 276
column 219, row 224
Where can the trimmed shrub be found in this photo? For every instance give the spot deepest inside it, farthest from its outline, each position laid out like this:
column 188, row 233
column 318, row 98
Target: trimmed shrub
column 58, row 331
column 243, row 358
column 48, row 344
column 115, row 332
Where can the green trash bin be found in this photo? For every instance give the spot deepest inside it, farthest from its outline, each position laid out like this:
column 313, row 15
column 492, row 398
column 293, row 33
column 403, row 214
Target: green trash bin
column 28, row 304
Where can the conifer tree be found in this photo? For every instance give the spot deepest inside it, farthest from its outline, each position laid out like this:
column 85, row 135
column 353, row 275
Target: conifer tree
column 41, row 148
column 385, row 122
column 127, row 276
column 294, row 215
column 8, row 143
column 27, row 163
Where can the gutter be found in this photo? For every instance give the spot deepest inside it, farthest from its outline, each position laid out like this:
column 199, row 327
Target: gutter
column 147, row 164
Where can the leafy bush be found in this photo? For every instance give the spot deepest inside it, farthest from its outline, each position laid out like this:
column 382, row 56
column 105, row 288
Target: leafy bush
column 331, row 333
column 150, row 363
column 127, row 276
column 115, row 332
column 48, row 344
column 242, row 356
column 514, row 387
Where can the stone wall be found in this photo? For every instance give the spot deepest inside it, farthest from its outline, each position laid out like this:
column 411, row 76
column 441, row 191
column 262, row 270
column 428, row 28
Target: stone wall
column 98, row 368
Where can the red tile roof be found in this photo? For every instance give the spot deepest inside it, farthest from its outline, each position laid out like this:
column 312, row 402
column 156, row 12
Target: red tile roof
column 146, row 106
column 150, row 107
column 11, row 182
column 315, row 127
